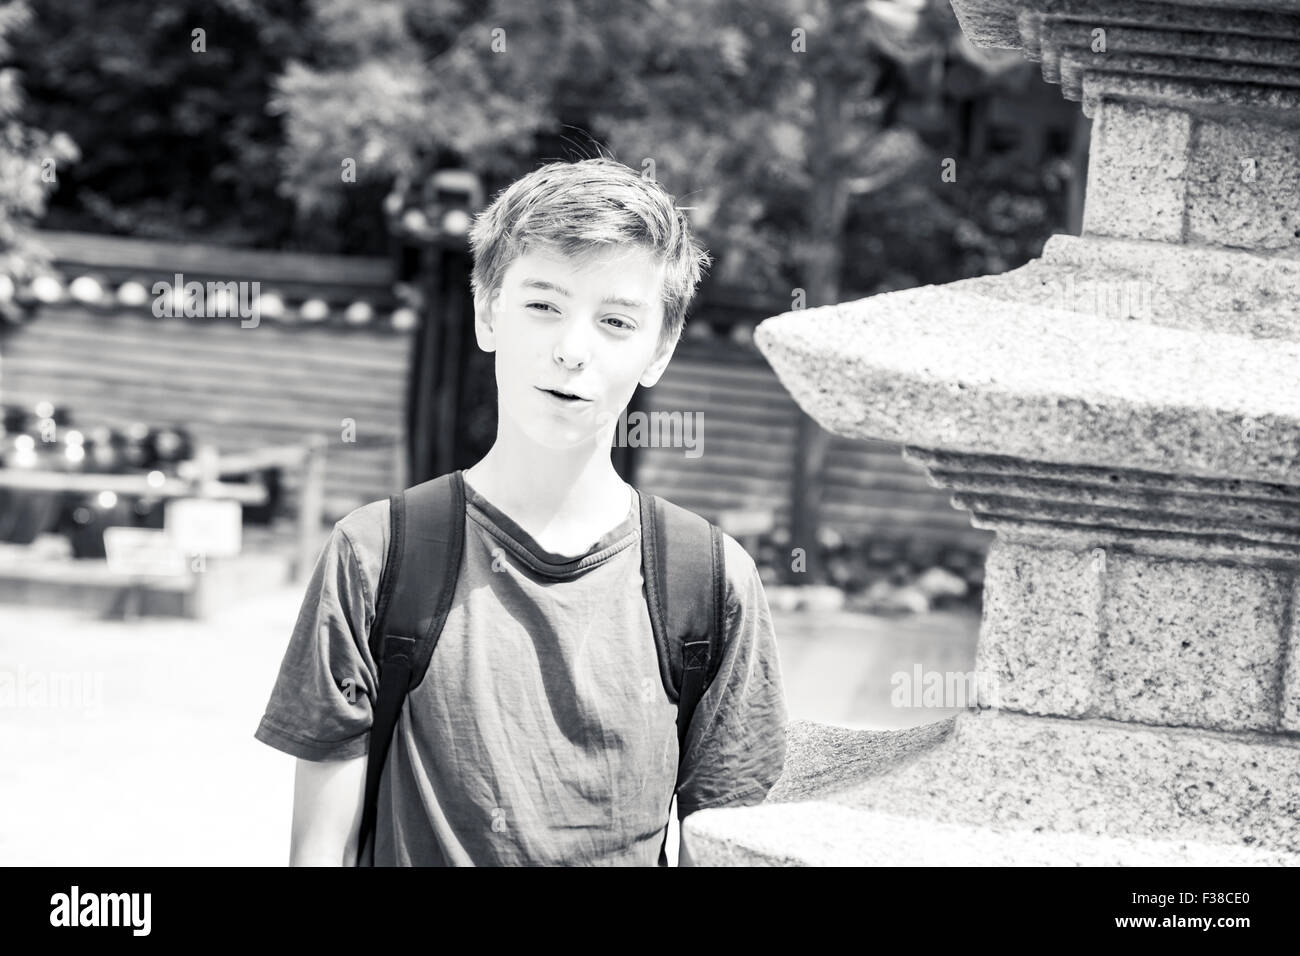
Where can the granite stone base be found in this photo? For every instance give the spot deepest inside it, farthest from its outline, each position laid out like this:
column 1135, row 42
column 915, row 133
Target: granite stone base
column 997, row 787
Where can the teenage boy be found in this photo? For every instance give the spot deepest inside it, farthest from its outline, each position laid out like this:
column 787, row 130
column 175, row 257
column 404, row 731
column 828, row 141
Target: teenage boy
column 541, row 732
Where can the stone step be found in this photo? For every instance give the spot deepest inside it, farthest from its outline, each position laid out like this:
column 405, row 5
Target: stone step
column 1009, row 788
column 826, row 834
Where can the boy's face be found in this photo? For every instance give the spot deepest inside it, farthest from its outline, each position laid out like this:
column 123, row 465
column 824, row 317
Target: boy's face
column 589, row 327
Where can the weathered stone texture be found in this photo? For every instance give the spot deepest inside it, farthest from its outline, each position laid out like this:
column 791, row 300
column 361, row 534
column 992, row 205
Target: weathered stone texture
column 1038, row 642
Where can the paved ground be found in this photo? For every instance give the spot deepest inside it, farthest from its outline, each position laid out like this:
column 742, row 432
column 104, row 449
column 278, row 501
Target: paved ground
column 147, row 755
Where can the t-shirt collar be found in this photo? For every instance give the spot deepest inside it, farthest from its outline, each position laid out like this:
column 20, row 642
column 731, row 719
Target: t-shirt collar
column 527, row 548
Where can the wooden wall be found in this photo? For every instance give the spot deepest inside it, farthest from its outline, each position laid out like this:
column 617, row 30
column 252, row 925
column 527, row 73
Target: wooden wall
column 240, row 388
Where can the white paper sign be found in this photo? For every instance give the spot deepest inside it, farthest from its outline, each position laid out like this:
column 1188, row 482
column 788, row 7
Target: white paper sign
column 142, row 551
column 205, row 526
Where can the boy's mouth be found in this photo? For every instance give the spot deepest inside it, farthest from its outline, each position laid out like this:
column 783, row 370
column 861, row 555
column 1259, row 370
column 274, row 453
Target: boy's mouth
column 566, row 396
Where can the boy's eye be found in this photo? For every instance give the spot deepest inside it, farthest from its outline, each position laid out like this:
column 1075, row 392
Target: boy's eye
column 623, row 324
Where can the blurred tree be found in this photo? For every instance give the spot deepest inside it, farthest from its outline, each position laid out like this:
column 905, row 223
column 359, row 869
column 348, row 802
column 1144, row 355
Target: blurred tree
column 396, row 83
column 179, row 143
column 773, row 132
column 31, row 162
column 175, row 137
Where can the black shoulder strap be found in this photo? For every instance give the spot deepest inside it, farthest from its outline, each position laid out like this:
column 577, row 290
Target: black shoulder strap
column 417, row 586
column 685, row 580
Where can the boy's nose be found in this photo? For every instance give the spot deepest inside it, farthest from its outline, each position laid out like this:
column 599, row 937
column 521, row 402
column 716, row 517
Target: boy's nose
column 561, row 357
column 572, row 350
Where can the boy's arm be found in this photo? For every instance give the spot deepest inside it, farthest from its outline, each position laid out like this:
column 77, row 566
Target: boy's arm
column 683, row 858
column 320, row 707
column 327, row 802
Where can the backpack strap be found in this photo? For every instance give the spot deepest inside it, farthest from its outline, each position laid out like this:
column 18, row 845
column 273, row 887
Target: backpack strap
column 685, row 581
column 417, row 586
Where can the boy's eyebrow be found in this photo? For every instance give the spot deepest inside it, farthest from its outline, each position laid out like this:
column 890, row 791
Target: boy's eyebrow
column 560, row 290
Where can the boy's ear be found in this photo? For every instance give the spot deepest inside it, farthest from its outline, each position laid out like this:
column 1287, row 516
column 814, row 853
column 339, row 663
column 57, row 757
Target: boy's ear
column 655, row 370
column 485, row 319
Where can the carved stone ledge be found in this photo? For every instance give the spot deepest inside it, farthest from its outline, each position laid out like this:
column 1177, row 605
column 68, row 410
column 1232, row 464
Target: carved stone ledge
column 982, row 367
column 1230, row 518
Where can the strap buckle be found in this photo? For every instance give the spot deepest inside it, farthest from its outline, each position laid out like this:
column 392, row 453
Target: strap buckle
column 695, row 655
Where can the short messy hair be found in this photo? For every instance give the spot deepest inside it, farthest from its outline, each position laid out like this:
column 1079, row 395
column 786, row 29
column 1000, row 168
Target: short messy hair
column 580, row 208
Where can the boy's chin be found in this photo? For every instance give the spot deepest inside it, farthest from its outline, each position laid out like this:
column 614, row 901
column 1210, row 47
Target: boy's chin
column 565, row 440
column 558, row 436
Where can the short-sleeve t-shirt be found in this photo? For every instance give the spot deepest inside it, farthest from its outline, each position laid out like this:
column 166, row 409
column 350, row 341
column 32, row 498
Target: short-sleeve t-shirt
column 541, row 733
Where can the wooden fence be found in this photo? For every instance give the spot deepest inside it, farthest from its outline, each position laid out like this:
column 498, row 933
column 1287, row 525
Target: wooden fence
column 279, row 383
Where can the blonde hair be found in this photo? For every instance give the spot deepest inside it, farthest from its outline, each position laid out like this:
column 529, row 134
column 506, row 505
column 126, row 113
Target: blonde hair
column 582, row 208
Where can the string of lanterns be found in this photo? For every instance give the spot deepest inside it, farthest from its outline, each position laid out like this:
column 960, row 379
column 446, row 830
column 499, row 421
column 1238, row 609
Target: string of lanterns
column 20, row 303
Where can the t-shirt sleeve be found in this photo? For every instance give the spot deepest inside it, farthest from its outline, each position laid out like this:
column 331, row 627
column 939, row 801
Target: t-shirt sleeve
column 736, row 744
column 320, row 705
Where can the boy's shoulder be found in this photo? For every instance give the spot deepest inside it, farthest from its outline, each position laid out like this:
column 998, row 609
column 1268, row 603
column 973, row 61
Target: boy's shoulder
column 367, row 531
column 369, row 521
column 742, row 571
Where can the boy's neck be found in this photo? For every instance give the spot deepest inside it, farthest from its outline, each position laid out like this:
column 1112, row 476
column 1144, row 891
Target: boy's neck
column 563, row 507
